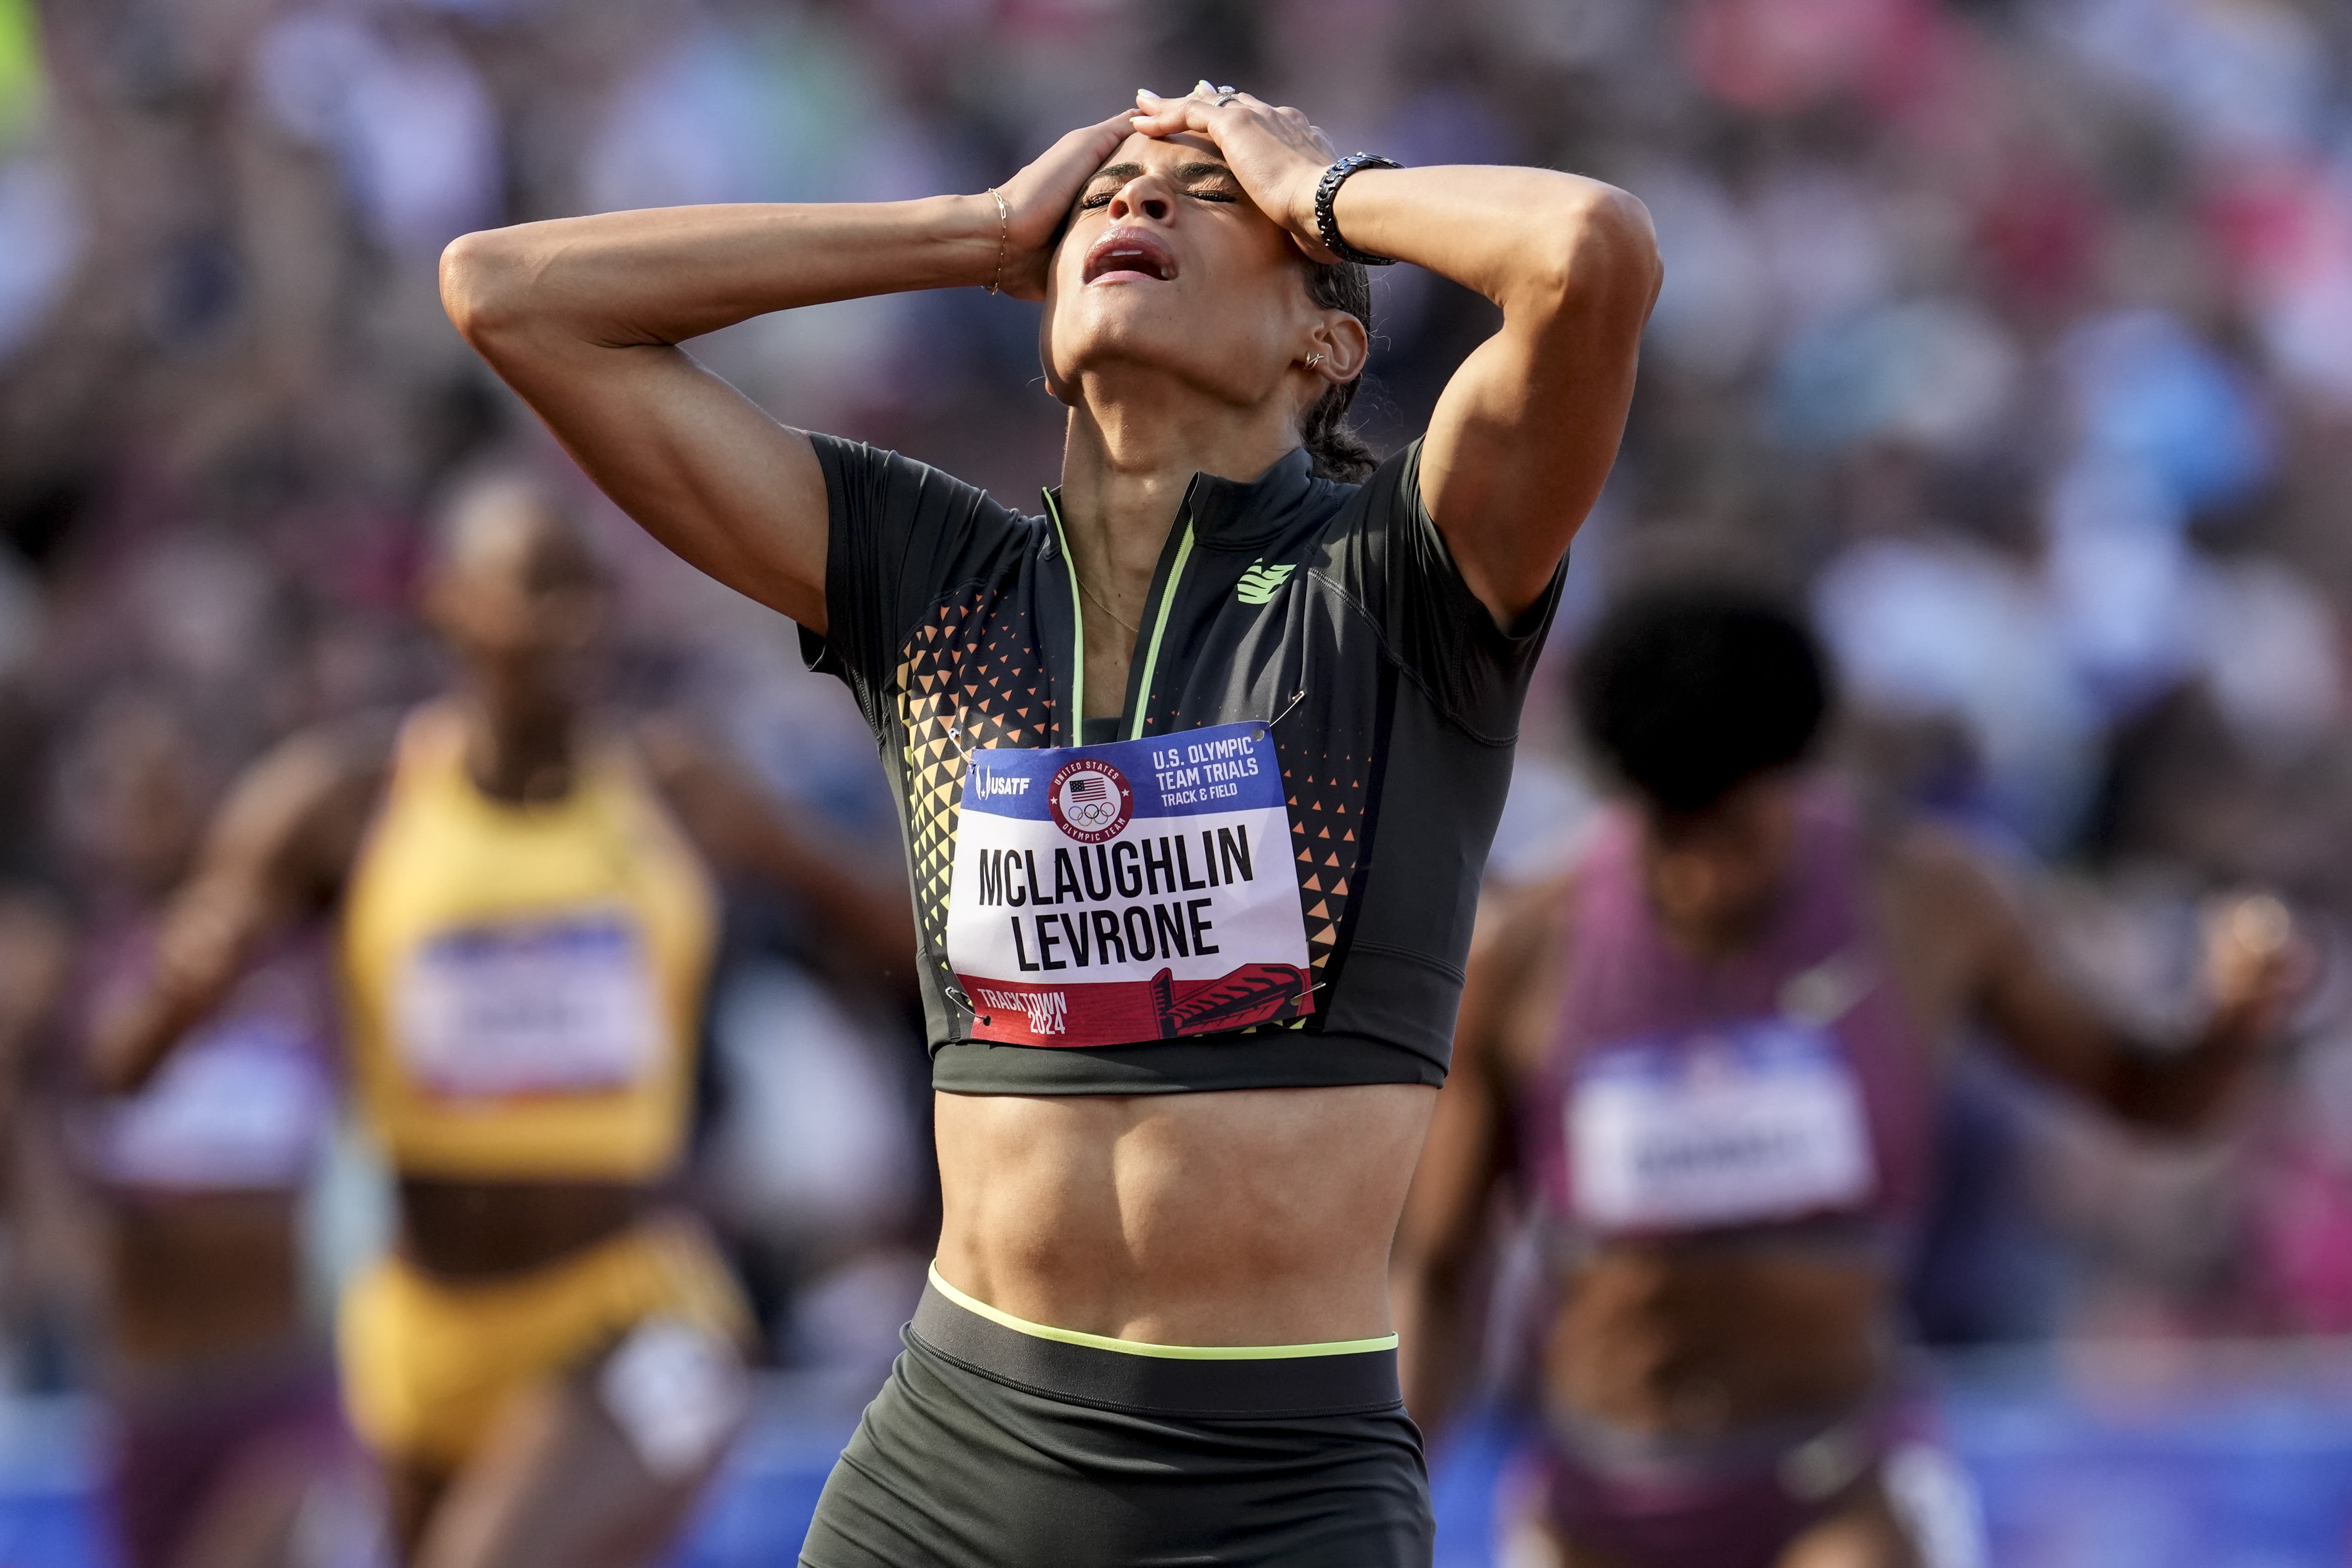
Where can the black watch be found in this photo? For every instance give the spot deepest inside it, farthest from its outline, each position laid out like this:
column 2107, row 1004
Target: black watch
column 1326, row 228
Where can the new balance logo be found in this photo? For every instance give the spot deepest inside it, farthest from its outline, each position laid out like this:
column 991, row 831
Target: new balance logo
column 1258, row 584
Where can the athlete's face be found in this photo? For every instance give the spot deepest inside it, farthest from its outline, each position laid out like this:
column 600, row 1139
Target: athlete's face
column 1169, row 269
column 520, row 601
column 1713, row 874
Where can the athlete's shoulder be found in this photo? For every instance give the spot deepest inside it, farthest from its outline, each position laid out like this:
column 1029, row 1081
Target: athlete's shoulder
column 1938, row 886
column 877, row 486
column 337, row 755
column 1390, row 488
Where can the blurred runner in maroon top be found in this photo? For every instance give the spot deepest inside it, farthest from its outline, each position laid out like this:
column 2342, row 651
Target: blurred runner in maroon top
column 1706, row 1058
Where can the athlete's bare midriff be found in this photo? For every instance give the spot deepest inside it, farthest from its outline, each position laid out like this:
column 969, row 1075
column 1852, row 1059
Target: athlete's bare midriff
column 481, row 1229
column 1688, row 1339
column 199, row 1277
column 1246, row 1217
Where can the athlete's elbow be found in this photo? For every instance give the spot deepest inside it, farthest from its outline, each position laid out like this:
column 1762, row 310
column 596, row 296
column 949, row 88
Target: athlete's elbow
column 1632, row 241
column 484, row 285
column 1596, row 250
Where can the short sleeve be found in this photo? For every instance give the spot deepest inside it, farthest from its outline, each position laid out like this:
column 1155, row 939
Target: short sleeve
column 1475, row 671
column 900, row 535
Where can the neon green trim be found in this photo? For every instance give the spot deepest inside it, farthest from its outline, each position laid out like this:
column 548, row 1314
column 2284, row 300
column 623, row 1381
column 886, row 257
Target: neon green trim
column 1077, row 725
column 1166, row 1352
column 1078, row 627
column 22, row 75
column 1159, row 630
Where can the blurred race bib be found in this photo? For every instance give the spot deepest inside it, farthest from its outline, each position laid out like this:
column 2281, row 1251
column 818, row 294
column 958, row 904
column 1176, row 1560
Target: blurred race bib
column 244, row 1104
column 1748, row 1122
column 558, row 1007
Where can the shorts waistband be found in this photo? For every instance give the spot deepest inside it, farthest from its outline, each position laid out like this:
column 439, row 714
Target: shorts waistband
column 1341, row 1378
column 1795, row 1446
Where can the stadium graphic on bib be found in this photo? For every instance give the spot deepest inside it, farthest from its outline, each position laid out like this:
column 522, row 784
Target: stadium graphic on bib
column 1135, row 890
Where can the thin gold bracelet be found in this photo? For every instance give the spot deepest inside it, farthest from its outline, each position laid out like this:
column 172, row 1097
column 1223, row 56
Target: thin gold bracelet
column 1003, row 237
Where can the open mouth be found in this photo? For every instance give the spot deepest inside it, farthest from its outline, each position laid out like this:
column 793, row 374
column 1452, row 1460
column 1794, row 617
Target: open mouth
column 1129, row 256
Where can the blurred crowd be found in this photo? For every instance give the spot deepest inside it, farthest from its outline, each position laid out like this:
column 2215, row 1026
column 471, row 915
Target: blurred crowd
column 2015, row 333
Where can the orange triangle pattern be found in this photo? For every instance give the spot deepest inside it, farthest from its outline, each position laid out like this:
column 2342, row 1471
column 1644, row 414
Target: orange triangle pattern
column 946, row 710
column 1327, row 800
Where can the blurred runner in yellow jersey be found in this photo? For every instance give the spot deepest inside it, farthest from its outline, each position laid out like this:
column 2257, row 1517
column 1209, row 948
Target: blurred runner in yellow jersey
column 550, row 1362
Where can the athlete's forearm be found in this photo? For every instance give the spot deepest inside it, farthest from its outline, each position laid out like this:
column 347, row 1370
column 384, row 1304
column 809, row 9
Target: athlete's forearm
column 128, row 1044
column 872, row 916
column 35, row 956
column 664, row 275
column 1531, row 240
column 1524, row 436
column 1437, row 1347
column 283, row 839
column 2173, row 1086
column 742, row 828
column 2182, row 1089
column 206, row 938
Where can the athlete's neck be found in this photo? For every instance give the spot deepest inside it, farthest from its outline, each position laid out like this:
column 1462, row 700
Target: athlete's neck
column 1710, row 922
column 1127, row 462
column 520, row 750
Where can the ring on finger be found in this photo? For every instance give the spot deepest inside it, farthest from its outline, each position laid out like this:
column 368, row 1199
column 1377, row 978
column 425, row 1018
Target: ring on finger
column 1226, row 99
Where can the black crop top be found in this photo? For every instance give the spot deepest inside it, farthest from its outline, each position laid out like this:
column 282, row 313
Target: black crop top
column 1330, row 613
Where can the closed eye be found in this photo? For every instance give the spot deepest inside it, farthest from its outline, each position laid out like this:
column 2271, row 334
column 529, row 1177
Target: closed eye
column 1198, row 193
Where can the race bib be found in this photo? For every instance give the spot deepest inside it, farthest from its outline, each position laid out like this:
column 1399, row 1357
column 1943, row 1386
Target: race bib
column 244, row 1105
column 558, row 1007
column 1754, row 1120
column 1133, row 891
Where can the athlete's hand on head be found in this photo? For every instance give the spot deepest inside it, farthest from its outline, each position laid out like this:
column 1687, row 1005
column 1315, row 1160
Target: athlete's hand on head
column 1038, row 200
column 1276, row 153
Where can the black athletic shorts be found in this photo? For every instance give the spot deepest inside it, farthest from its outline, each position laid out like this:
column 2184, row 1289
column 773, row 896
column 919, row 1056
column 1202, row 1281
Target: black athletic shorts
column 990, row 1448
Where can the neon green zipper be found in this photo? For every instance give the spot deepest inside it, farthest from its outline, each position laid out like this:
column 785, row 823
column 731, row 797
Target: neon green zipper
column 1079, row 625
column 1160, row 628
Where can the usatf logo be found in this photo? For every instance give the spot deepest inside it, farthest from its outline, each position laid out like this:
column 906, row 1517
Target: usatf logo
column 1258, row 584
column 1090, row 800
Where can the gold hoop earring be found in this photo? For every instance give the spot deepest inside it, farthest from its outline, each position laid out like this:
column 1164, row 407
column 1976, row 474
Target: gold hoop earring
column 1314, row 360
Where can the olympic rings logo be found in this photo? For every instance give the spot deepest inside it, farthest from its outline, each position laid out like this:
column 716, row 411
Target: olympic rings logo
column 1090, row 800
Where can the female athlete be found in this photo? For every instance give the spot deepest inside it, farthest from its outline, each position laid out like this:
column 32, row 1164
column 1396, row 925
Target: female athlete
column 547, row 1366
column 1198, row 771
column 1708, row 1057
